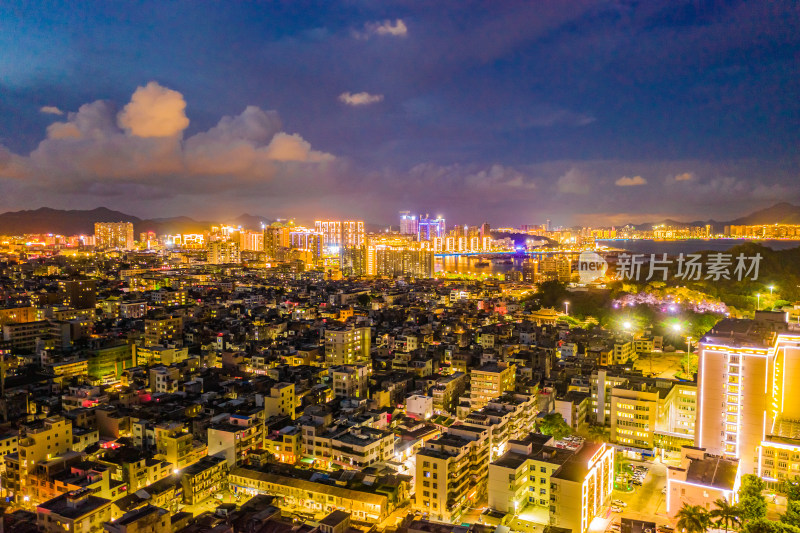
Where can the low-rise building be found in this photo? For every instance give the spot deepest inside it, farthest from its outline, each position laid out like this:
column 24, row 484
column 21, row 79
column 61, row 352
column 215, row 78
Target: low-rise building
column 77, row 511
column 203, row 479
column 701, row 479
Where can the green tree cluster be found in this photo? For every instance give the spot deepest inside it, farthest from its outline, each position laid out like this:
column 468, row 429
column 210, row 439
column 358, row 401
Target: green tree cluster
column 553, row 424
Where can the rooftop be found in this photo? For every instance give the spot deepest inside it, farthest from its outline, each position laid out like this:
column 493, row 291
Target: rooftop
column 713, row 471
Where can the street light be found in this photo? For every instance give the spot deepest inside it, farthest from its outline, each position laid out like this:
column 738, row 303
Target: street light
column 771, row 288
column 758, row 301
column 566, row 308
column 676, row 328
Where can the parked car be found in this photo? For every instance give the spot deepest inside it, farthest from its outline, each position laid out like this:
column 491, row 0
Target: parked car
column 619, row 503
column 615, row 509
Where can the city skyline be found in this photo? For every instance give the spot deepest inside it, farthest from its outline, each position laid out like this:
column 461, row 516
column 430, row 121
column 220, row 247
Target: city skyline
column 572, row 112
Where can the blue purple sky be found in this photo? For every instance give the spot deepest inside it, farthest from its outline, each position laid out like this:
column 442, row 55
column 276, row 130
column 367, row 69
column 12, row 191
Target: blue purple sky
column 513, row 112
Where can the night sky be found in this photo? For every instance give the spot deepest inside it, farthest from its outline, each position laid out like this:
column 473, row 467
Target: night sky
column 582, row 112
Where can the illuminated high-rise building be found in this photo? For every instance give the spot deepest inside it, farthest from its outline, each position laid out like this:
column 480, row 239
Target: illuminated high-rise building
column 79, row 293
column 747, row 406
column 409, row 223
column 430, row 228
column 220, row 252
column 336, row 234
column 394, row 262
column 271, row 242
column 251, row 241
column 114, row 235
column 307, row 240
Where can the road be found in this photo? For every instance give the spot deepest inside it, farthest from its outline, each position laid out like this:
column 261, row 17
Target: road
column 646, row 502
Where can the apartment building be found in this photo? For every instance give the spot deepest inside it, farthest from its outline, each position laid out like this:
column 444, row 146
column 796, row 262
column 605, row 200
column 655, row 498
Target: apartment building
column 77, row 511
column 360, row 447
column 149, row 519
column 39, row 441
column 177, row 446
column 347, row 345
column 234, row 436
column 135, row 468
column 281, row 401
column 203, row 479
column 519, row 480
column 286, row 444
column 573, row 408
column 350, row 381
column 159, row 354
column 163, row 330
column 371, row 503
column 446, row 392
column 451, row 473
column 490, row 381
column 509, row 417
column 623, row 351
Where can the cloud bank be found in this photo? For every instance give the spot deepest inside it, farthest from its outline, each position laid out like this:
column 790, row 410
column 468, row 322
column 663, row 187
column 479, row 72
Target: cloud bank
column 635, row 181
column 51, row 110
column 99, row 149
column 387, row 27
column 359, row 99
column 384, row 28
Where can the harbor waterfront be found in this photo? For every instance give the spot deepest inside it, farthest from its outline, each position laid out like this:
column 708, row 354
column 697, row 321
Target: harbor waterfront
column 499, row 263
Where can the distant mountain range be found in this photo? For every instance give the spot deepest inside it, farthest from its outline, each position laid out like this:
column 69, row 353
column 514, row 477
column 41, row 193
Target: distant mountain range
column 75, row 222
column 781, row 213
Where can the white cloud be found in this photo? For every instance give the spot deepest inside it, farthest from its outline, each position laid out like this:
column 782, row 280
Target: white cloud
column 286, row 147
column 154, row 111
column 573, row 182
column 625, row 181
column 51, row 110
column 397, row 28
column 98, row 149
column 359, row 99
column 686, row 176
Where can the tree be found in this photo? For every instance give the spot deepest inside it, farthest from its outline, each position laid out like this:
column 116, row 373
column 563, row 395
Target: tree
column 363, row 299
column 752, row 503
column 553, row 424
column 762, row 525
column 752, row 485
column 792, row 515
column 792, row 490
column 693, row 519
column 726, row 514
column 597, row 433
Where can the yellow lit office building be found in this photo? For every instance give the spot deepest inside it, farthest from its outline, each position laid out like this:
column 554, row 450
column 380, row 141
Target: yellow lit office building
column 747, row 401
